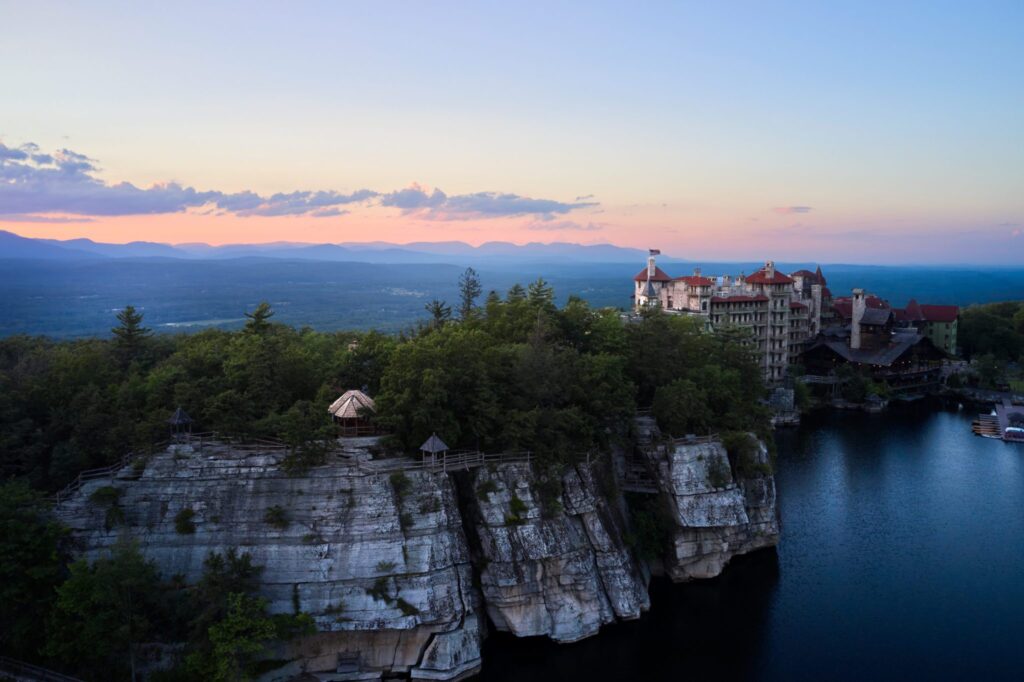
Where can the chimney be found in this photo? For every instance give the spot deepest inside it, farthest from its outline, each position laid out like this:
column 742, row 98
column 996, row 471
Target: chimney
column 816, row 313
column 650, row 267
column 769, row 269
column 858, row 315
column 696, row 271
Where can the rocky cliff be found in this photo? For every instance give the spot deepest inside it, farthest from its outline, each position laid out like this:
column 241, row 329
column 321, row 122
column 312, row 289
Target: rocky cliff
column 402, row 567
column 380, row 562
column 561, row 569
column 718, row 510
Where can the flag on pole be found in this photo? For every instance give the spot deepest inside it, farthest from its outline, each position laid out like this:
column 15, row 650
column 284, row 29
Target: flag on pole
column 655, row 252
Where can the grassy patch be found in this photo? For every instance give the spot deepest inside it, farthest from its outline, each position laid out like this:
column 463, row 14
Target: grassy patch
column 183, row 522
column 486, row 488
column 277, row 517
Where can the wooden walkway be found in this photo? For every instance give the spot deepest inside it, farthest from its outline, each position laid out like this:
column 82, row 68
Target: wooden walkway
column 21, row 671
column 455, row 460
column 199, row 442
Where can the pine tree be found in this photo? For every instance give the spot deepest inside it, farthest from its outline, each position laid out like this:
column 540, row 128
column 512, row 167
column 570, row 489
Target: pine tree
column 130, row 335
column 439, row 311
column 469, row 290
column 258, row 319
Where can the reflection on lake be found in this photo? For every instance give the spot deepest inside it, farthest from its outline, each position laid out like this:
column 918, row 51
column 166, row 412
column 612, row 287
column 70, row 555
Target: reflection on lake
column 902, row 557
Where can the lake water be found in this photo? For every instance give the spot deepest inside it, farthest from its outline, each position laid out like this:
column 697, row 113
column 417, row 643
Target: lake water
column 902, row 557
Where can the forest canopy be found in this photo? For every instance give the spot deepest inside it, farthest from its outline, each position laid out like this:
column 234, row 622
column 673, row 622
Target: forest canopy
column 512, row 372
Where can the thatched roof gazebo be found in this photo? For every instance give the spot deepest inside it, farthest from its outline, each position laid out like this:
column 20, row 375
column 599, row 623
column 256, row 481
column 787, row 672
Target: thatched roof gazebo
column 352, row 413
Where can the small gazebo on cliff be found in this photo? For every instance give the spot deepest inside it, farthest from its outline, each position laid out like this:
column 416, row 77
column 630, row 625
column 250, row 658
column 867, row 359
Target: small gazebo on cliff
column 433, row 447
column 352, row 413
column 181, row 425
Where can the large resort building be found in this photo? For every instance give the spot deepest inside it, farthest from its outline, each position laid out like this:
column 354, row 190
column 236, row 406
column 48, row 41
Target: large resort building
column 794, row 320
column 782, row 312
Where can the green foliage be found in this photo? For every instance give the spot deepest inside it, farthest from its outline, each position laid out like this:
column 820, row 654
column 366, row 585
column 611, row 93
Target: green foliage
column 235, row 641
column 695, row 382
column 259, row 319
column 719, row 475
column 995, row 329
column 439, row 311
column 130, row 337
column 485, row 488
column 109, row 497
column 405, row 521
column 801, row 395
column 183, row 522
column 989, row 370
column 517, row 508
column 744, row 454
column 106, row 496
column 277, row 517
column 401, row 484
column 379, row 590
column 223, row 574
column 103, row 611
column 32, row 557
column 469, row 290
column 651, row 526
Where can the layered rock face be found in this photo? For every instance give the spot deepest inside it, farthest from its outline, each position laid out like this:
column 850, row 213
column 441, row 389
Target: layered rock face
column 398, row 565
column 717, row 512
column 381, row 564
column 564, row 574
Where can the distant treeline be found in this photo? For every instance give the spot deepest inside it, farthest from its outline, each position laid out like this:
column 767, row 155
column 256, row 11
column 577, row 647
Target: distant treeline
column 505, row 372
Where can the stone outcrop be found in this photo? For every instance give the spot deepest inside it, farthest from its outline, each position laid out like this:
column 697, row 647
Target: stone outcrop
column 402, row 568
column 562, row 574
column 718, row 512
column 382, row 565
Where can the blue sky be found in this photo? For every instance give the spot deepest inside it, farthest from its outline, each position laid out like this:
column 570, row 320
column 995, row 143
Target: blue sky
column 702, row 128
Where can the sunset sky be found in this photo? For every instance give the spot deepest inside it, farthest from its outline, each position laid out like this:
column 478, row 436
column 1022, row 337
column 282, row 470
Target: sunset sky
column 868, row 132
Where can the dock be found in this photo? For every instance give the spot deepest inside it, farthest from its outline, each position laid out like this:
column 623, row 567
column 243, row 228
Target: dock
column 1003, row 424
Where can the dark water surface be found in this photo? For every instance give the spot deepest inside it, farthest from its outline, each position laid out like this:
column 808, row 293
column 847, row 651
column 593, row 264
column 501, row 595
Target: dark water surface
column 902, row 557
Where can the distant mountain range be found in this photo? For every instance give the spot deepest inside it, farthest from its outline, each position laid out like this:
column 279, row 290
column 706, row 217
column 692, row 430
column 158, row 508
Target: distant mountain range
column 18, row 247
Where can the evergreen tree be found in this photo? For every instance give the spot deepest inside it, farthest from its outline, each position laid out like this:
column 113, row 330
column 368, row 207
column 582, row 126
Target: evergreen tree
column 104, row 611
column 469, row 290
column 32, row 558
column 130, row 335
column 439, row 312
column 258, row 319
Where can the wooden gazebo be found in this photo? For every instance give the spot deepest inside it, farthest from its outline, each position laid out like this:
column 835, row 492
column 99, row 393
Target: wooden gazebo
column 181, row 425
column 352, row 412
column 433, row 447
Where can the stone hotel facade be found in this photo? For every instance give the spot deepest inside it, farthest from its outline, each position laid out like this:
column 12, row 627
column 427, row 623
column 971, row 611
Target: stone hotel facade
column 783, row 312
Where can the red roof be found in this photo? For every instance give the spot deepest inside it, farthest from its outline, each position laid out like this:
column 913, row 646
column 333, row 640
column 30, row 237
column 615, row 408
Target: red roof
column 913, row 311
column 825, row 293
column 761, row 277
column 738, row 299
column 696, row 281
column 940, row 313
column 658, row 276
column 797, row 305
column 844, row 305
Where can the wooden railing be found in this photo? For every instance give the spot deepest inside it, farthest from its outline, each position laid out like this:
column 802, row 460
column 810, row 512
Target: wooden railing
column 197, row 440
column 20, row 669
column 453, row 460
column 697, row 440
